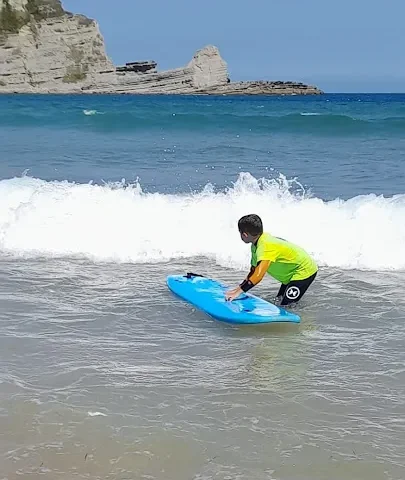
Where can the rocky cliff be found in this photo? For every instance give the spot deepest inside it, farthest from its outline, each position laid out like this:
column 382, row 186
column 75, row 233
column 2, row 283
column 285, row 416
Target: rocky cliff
column 206, row 70
column 44, row 49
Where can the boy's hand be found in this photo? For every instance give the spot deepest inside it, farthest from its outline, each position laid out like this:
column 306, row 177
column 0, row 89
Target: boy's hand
column 232, row 294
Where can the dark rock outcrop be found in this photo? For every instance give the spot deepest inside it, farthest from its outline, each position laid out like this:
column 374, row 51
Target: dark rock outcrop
column 263, row 88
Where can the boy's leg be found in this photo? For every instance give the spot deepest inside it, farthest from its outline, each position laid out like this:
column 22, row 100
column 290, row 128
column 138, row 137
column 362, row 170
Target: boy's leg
column 295, row 290
column 280, row 294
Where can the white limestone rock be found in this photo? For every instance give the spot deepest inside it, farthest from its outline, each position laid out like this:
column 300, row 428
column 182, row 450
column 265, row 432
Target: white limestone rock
column 207, row 69
column 53, row 51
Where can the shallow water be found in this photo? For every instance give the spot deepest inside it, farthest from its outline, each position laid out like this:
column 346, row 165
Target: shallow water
column 105, row 382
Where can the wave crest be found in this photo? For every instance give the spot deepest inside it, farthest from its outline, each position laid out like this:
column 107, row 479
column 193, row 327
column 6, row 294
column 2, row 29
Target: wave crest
column 122, row 223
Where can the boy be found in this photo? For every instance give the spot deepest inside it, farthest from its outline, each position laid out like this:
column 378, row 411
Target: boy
column 284, row 261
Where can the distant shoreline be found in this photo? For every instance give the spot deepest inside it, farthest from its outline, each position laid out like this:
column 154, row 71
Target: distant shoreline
column 245, row 88
column 218, row 95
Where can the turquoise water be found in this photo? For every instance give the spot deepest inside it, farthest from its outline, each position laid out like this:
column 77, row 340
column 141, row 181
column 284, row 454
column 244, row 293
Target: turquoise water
column 337, row 145
column 104, row 374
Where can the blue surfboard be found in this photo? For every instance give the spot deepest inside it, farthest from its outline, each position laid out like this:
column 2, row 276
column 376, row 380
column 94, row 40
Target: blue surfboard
column 208, row 295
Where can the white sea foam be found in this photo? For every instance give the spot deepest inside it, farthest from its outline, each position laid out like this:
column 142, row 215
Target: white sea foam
column 123, row 224
column 92, row 112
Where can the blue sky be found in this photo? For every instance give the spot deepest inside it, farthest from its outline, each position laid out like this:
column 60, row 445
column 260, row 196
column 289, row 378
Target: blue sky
column 340, row 46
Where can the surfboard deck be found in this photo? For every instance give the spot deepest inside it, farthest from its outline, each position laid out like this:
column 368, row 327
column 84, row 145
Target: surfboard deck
column 208, row 295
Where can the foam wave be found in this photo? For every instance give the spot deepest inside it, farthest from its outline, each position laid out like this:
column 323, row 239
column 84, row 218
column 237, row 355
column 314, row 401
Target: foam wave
column 122, row 223
column 92, row 112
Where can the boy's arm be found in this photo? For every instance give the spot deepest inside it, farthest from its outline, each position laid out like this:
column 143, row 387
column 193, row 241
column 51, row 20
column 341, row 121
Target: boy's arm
column 255, row 276
column 252, row 269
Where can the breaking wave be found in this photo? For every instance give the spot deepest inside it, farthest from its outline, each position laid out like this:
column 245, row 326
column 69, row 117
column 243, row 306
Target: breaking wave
column 122, row 223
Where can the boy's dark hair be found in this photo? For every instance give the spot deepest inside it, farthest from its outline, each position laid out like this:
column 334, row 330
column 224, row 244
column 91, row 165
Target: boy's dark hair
column 251, row 224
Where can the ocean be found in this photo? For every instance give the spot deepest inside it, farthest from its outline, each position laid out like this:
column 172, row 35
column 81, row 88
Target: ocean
column 104, row 374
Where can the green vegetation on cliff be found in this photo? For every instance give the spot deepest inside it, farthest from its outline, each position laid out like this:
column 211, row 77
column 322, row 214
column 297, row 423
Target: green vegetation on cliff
column 77, row 71
column 33, row 9
column 12, row 20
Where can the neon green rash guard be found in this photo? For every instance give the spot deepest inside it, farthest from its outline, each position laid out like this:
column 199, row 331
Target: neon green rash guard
column 288, row 261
